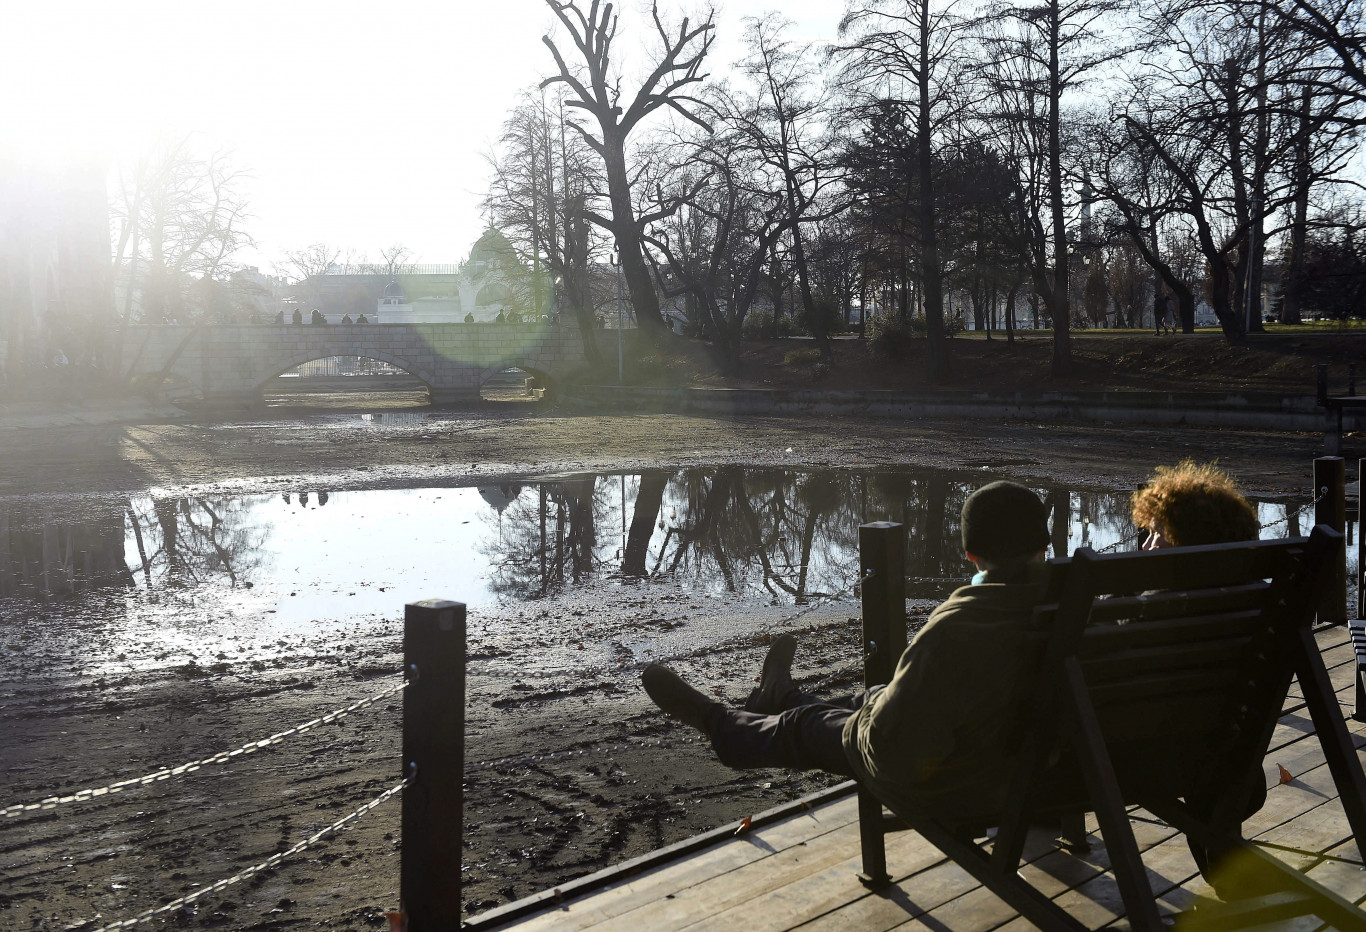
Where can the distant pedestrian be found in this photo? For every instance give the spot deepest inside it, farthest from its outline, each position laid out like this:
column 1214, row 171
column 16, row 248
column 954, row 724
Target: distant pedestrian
column 469, row 317
column 1162, row 315
column 346, row 318
column 298, row 316
column 280, row 316
column 317, row 318
column 362, row 319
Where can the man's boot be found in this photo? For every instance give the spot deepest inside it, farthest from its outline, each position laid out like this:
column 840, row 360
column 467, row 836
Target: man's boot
column 775, row 682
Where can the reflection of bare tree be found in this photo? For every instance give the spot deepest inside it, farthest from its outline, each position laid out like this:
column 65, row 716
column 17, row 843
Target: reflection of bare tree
column 792, row 535
column 53, row 554
column 649, row 496
column 182, row 541
column 1059, row 504
column 548, row 539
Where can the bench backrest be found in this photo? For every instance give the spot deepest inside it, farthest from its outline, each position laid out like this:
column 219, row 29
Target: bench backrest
column 1183, row 651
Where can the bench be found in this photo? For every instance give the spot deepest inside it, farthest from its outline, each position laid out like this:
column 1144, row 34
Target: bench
column 1181, row 656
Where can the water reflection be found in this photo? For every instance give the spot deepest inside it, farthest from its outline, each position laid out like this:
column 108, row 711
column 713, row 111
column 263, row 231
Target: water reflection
column 186, row 541
column 777, row 536
column 44, row 552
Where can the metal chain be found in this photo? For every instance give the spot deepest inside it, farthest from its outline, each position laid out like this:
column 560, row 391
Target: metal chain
column 507, row 762
column 267, row 864
column 222, row 757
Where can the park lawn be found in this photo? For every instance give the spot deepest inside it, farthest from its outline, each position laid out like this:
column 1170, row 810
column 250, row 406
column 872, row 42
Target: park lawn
column 1127, row 360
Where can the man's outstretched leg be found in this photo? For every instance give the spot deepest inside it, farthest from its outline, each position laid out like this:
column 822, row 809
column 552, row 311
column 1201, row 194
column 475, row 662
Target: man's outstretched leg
column 805, row 737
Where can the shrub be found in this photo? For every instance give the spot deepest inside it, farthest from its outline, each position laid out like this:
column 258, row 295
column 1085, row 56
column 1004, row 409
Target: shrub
column 893, row 336
column 801, row 357
column 759, row 326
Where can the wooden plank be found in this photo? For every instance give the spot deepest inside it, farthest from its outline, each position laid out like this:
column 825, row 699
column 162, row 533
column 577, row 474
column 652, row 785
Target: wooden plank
column 1118, row 662
column 1322, row 828
column 890, row 908
column 1102, row 638
column 1346, row 880
column 1285, row 802
column 790, row 905
column 1055, row 874
column 807, row 829
column 719, row 893
column 978, row 910
column 1164, row 605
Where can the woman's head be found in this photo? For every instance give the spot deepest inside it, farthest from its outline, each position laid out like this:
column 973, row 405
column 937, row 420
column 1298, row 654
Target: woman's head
column 1189, row 504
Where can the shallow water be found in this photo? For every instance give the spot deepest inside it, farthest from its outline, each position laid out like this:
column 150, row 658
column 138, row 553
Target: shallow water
column 307, row 557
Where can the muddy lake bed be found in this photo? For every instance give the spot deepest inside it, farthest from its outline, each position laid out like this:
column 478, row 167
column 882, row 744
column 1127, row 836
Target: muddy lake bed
column 159, row 622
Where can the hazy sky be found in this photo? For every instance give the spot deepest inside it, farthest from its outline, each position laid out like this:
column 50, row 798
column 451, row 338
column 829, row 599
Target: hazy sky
column 362, row 124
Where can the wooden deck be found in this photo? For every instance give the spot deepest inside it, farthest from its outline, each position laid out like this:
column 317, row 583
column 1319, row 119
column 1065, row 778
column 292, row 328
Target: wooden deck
column 799, row 870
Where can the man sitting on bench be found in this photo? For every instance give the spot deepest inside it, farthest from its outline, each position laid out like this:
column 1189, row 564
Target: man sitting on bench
column 938, row 734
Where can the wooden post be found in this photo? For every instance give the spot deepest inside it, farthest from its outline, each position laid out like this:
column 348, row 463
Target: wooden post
column 1359, row 712
column 882, row 562
column 434, row 757
column 1330, row 495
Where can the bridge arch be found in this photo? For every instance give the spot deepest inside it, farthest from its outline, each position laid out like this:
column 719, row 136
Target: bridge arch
column 297, row 359
column 548, row 383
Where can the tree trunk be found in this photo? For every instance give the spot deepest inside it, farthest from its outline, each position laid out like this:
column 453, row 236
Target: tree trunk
column 1010, row 312
column 1299, row 224
column 1058, row 298
column 937, row 361
column 639, row 285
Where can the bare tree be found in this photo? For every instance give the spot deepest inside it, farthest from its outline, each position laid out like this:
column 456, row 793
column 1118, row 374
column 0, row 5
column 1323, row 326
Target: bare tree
column 179, row 220
column 716, row 244
column 392, row 259
column 1053, row 47
column 596, row 89
column 786, row 123
column 542, row 177
column 304, row 267
column 915, row 43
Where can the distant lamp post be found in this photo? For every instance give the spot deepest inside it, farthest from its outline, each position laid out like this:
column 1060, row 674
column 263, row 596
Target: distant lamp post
column 616, row 263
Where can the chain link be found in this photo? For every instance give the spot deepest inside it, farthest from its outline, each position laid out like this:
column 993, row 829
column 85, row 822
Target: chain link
column 222, row 757
column 267, row 864
column 509, row 762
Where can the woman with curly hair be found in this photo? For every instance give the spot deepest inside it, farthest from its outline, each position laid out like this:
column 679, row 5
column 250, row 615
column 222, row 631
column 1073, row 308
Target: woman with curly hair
column 1183, row 506
column 1190, row 504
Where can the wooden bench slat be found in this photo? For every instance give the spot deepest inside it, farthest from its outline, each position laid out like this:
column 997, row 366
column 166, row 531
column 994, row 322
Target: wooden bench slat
column 1158, row 606
column 1169, row 632
column 1117, row 664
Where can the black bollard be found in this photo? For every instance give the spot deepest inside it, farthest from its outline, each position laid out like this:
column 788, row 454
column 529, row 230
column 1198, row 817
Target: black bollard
column 1330, row 508
column 434, row 759
column 1359, row 713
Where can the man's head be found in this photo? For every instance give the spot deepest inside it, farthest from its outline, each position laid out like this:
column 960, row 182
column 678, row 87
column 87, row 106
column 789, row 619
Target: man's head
column 1189, row 504
column 1004, row 521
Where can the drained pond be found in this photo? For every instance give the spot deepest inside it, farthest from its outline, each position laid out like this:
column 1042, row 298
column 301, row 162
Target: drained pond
column 146, row 631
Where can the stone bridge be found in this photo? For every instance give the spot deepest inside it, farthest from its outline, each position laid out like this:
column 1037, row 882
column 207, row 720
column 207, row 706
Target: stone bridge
column 232, row 363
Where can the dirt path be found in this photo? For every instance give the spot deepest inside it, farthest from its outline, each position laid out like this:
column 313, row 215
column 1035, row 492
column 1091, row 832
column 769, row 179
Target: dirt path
column 77, row 710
